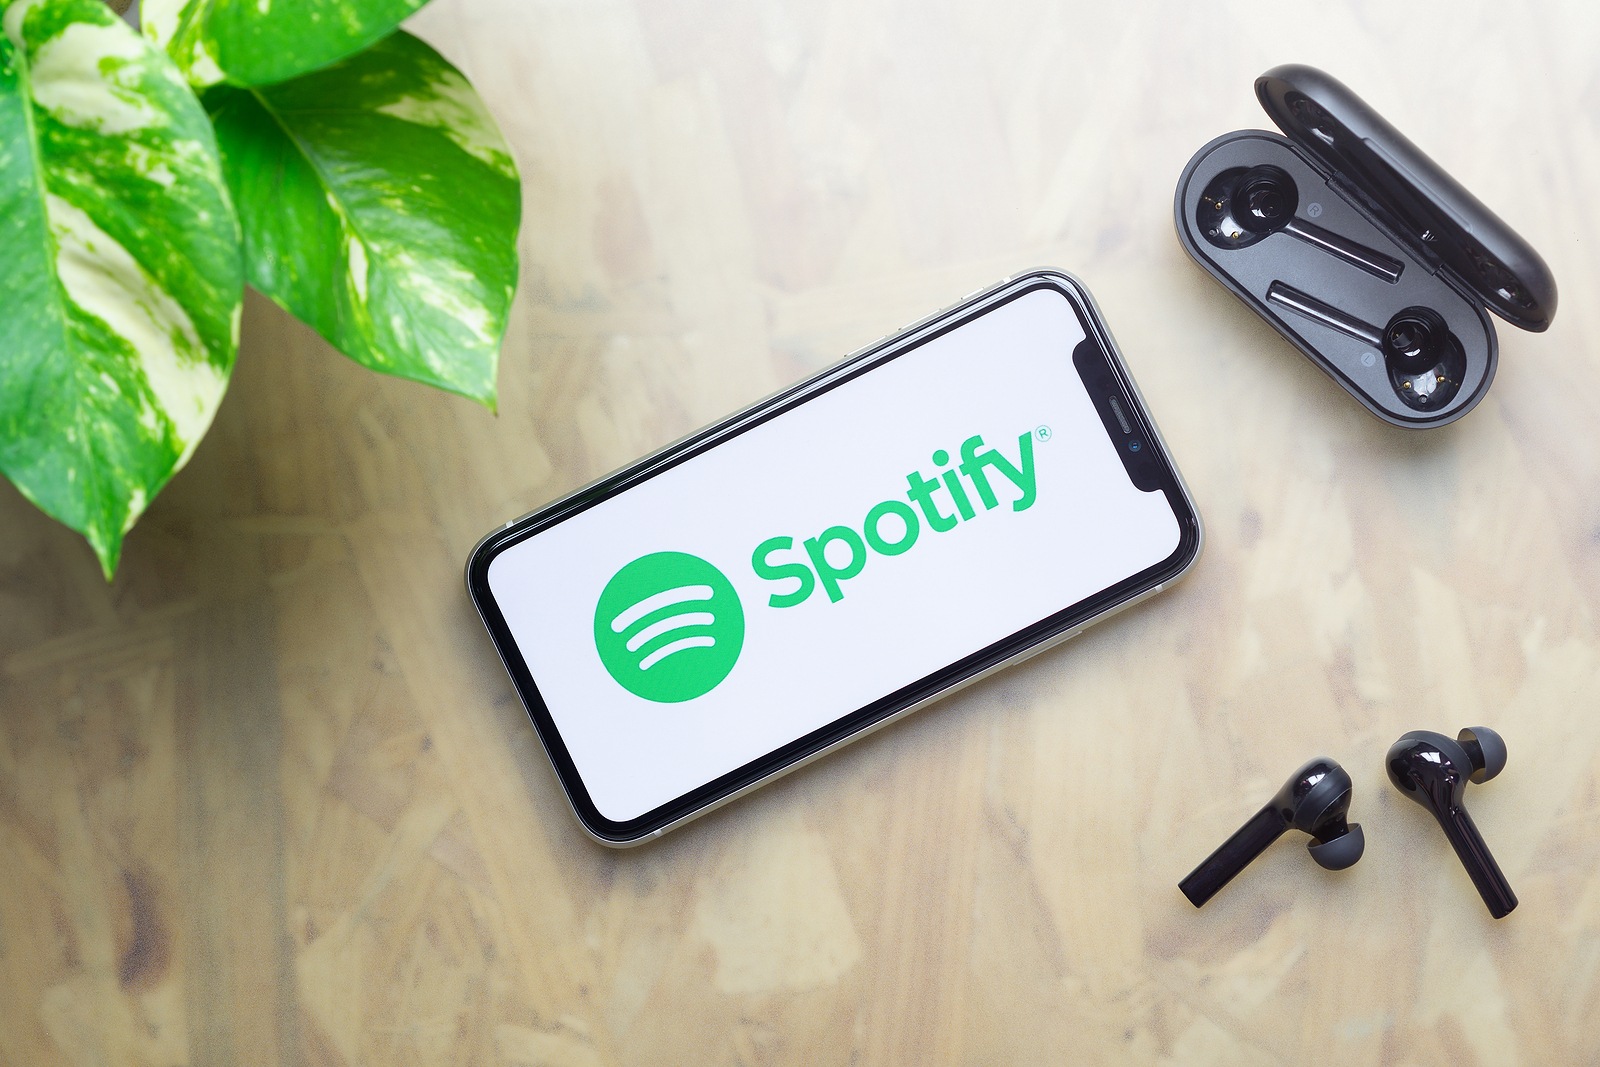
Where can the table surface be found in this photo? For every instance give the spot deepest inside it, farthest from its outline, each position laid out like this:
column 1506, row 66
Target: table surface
column 269, row 796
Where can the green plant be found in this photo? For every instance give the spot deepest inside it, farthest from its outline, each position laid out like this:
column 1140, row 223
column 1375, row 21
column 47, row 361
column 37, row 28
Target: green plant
column 308, row 147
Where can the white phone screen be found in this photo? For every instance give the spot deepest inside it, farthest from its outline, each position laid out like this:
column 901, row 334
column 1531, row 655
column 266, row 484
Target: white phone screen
column 866, row 538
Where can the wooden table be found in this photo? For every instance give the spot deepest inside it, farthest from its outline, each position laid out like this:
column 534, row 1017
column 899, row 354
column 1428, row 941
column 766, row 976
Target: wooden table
column 269, row 797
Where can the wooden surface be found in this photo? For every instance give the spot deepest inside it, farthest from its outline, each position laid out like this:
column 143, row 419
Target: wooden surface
column 269, row 797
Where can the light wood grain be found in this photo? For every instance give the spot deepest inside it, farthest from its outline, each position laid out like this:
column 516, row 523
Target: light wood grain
column 269, row 797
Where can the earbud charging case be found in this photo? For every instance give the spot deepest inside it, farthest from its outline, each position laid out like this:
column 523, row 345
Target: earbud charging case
column 1360, row 180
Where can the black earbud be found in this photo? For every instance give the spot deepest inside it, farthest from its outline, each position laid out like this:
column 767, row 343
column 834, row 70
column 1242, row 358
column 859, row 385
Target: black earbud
column 1434, row 770
column 1241, row 206
column 1415, row 340
column 1316, row 800
column 1425, row 360
column 1264, row 200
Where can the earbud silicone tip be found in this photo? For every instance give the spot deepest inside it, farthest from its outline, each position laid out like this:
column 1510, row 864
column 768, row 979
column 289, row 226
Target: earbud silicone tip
column 1491, row 747
column 1341, row 852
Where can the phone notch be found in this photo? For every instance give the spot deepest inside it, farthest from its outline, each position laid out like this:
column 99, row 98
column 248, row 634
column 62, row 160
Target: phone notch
column 1111, row 403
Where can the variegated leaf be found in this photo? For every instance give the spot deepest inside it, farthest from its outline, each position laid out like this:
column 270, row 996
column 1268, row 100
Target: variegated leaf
column 259, row 42
column 380, row 206
column 120, row 281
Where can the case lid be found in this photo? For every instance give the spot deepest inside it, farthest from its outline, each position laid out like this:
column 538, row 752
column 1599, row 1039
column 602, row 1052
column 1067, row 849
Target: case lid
column 1413, row 194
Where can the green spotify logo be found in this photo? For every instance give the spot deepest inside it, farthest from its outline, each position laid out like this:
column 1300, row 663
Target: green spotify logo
column 669, row 627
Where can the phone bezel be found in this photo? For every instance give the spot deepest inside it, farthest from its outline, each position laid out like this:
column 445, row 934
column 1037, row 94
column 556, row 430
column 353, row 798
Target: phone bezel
column 1057, row 627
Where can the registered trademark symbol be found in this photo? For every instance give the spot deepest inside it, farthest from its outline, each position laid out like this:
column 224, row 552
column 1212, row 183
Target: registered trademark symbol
column 1042, row 433
column 1313, row 210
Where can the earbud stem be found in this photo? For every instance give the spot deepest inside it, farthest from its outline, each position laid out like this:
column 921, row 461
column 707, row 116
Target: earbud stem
column 1233, row 856
column 1476, row 858
column 1325, row 313
column 1373, row 262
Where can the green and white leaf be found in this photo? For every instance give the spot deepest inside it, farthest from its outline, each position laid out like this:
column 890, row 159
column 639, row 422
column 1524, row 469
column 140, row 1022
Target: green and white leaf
column 380, row 206
column 120, row 279
column 259, row 42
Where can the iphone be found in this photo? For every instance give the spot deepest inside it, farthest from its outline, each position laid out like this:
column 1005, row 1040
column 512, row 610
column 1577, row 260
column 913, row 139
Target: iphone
column 962, row 494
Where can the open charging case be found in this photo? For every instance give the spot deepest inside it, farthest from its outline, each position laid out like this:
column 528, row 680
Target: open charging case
column 1360, row 250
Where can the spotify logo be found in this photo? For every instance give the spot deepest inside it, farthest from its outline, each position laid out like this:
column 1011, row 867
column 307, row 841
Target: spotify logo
column 669, row 627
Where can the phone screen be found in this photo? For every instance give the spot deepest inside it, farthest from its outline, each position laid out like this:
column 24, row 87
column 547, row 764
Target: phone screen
column 682, row 629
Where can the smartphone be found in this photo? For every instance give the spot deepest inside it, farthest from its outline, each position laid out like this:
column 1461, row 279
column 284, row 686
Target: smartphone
column 975, row 488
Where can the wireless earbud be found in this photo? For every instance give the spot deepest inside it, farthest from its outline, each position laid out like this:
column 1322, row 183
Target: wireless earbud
column 1415, row 340
column 1316, row 800
column 1434, row 770
column 1425, row 360
column 1241, row 206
